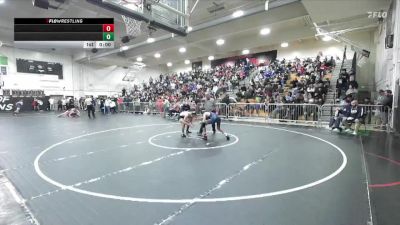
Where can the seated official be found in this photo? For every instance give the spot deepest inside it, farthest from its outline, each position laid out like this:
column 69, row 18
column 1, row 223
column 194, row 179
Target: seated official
column 350, row 114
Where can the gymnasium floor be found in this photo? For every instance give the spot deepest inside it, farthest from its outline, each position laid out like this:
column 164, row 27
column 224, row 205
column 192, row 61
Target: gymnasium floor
column 126, row 169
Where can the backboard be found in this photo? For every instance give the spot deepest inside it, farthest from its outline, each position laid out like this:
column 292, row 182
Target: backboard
column 169, row 15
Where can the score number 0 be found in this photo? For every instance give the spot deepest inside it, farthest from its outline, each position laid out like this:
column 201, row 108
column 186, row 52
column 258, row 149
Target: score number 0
column 108, row 27
column 108, row 32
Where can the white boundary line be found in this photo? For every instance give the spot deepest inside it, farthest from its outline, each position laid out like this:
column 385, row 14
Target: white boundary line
column 216, row 187
column 208, row 200
column 371, row 221
column 201, row 148
column 28, row 214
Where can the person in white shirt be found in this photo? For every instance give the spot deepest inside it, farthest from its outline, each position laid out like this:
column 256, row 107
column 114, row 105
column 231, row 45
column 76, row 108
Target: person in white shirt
column 185, row 118
column 107, row 106
column 64, row 103
column 90, row 106
column 51, row 101
column 113, row 106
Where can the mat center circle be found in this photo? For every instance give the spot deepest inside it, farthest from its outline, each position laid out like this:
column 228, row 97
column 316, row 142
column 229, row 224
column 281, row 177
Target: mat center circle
column 172, row 140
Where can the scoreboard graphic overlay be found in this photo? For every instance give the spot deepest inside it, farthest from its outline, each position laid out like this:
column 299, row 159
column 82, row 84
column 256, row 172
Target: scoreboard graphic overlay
column 64, row 32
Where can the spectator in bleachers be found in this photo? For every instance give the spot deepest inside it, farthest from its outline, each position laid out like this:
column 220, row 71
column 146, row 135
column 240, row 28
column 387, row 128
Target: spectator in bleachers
column 304, row 79
column 352, row 91
column 289, row 98
column 341, row 85
column 353, row 82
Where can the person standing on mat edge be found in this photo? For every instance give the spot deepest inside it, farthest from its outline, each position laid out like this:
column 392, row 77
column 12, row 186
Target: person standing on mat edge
column 90, row 106
column 209, row 104
column 211, row 118
column 186, row 119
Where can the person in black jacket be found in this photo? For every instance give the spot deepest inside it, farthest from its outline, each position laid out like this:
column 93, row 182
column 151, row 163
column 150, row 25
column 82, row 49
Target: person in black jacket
column 341, row 85
column 353, row 82
column 387, row 103
column 352, row 114
column 349, row 114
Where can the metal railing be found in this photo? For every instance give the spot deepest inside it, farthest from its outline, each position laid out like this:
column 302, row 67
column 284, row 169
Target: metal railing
column 246, row 110
column 222, row 110
column 139, row 108
column 296, row 114
column 374, row 117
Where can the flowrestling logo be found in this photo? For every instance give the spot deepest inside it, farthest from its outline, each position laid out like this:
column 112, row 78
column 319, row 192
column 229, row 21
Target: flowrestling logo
column 5, row 104
column 377, row 15
column 64, row 21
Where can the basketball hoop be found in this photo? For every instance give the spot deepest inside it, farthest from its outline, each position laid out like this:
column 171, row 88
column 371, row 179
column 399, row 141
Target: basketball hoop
column 132, row 26
column 133, row 70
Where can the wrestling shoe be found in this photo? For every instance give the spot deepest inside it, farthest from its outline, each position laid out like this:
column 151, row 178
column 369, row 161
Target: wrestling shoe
column 183, row 135
column 205, row 137
column 228, row 138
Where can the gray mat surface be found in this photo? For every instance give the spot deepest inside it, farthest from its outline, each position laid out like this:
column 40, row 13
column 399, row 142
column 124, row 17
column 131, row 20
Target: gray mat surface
column 123, row 163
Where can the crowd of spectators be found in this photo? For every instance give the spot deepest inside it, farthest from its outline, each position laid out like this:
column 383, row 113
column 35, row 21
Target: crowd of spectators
column 193, row 85
column 280, row 81
column 295, row 81
column 346, row 85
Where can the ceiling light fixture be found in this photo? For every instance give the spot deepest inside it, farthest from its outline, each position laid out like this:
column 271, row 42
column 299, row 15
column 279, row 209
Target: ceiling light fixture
column 150, row 40
column 2, row 1
column 327, row 38
column 139, row 59
column 210, row 57
column 237, row 14
column 157, row 55
column 169, row 64
column 182, row 50
column 245, row 51
column 266, row 5
column 124, row 48
column 187, row 61
column 265, row 31
column 284, row 45
column 189, row 29
column 220, row 42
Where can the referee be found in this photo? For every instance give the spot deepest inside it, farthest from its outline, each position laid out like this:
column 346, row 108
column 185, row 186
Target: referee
column 90, row 107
